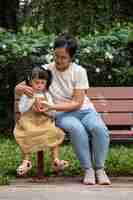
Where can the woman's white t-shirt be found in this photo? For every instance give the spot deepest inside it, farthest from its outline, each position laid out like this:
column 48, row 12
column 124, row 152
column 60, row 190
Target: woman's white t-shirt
column 64, row 83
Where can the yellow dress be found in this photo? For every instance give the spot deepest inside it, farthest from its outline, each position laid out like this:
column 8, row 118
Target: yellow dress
column 37, row 131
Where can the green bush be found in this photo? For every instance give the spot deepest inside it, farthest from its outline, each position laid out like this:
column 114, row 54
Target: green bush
column 105, row 55
column 107, row 58
column 76, row 16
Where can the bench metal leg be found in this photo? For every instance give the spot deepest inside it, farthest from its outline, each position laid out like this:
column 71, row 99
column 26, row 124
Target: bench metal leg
column 40, row 164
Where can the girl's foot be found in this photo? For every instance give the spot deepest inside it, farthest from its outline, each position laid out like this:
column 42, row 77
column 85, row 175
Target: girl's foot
column 60, row 165
column 24, row 167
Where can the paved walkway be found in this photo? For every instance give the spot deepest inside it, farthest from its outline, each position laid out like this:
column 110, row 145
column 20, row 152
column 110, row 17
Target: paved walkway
column 67, row 189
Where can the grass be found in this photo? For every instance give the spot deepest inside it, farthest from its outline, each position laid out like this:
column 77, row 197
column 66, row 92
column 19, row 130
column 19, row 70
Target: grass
column 119, row 161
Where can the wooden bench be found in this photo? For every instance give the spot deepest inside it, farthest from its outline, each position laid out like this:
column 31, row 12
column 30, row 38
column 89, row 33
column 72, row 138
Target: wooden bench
column 116, row 107
column 115, row 104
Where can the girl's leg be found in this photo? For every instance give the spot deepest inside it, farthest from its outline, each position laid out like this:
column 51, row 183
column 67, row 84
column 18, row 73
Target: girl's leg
column 57, row 163
column 55, row 153
column 25, row 165
column 26, row 156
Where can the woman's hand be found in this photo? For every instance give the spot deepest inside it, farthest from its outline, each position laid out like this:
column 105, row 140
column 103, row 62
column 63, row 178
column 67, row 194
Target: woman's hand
column 22, row 88
column 28, row 91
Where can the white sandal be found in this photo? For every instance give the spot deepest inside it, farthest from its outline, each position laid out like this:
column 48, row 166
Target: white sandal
column 60, row 165
column 24, row 167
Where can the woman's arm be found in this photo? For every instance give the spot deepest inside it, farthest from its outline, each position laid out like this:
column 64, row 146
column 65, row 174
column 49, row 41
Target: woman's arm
column 75, row 103
column 22, row 88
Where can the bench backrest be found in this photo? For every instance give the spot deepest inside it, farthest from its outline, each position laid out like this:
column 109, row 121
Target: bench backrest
column 116, row 107
column 114, row 103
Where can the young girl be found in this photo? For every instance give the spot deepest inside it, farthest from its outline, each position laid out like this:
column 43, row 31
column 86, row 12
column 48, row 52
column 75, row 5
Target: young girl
column 36, row 131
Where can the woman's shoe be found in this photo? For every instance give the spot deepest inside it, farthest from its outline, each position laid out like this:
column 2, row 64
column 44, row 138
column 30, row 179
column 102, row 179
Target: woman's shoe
column 102, row 178
column 89, row 177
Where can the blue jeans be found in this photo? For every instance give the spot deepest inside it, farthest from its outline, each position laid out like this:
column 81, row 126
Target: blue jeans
column 84, row 126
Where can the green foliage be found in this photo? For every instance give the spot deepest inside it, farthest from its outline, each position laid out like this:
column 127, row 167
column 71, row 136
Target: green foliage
column 119, row 161
column 14, row 46
column 105, row 55
column 76, row 16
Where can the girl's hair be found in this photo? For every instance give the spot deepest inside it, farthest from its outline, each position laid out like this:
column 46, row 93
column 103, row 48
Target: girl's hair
column 39, row 73
column 66, row 41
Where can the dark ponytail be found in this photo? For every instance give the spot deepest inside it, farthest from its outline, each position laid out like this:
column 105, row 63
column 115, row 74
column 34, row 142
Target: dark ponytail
column 49, row 80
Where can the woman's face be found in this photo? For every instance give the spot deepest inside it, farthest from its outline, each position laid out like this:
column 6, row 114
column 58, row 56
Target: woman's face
column 62, row 59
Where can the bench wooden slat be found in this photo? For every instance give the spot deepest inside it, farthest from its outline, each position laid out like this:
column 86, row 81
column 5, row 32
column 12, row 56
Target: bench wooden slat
column 120, row 119
column 110, row 92
column 121, row 134
column 113, row 105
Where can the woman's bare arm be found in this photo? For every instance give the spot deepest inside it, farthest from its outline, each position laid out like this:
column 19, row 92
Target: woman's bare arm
column 22, row 88
column 75, row 103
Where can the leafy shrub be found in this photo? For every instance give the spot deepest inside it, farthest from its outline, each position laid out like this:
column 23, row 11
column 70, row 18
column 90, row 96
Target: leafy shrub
column 75, row 16
column 104, row 55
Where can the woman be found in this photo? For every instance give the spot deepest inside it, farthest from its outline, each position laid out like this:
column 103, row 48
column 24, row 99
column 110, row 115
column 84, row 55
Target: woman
column 75, row 113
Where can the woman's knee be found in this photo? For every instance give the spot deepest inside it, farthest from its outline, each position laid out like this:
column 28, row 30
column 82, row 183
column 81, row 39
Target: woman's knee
column 67, row 123
column 100, row 129
column 72, row 126
column 96, row 126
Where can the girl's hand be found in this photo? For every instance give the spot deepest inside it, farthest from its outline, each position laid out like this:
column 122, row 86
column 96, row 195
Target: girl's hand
column 39, row 106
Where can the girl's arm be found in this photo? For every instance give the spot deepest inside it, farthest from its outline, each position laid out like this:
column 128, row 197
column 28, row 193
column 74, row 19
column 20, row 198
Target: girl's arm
column 25, row 103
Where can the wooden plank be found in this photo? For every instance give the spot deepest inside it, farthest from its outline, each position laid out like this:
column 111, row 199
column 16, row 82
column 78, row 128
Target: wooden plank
column 121, row 134
column 113, row 105
column 120, row 119
column 110, row 92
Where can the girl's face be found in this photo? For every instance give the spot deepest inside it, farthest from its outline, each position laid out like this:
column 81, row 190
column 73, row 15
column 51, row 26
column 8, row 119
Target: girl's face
column 38, row 84
column 62, row 59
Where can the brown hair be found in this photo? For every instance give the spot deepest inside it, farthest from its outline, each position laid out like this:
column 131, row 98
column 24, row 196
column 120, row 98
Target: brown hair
column 39, row 73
